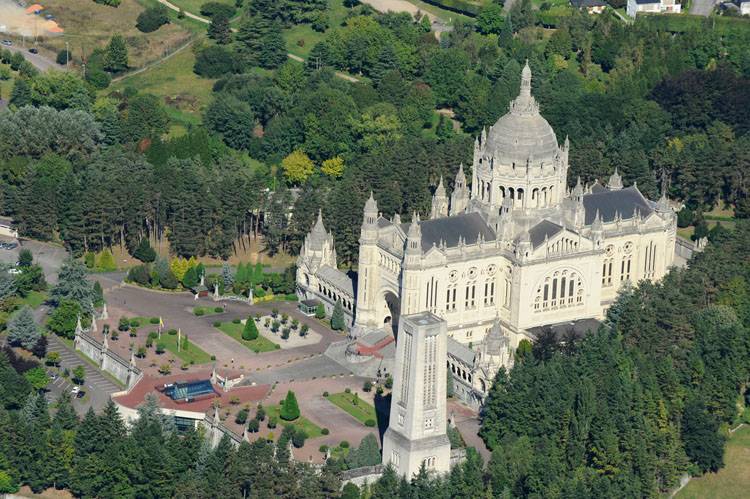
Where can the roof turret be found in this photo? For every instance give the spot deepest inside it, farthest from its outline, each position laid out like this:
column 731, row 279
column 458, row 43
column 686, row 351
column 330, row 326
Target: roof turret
column 495, row 342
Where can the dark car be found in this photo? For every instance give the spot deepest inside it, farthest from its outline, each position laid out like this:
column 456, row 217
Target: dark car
column 80, row 394
column 34, row 50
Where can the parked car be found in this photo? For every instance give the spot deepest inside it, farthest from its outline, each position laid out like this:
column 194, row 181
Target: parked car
column 34, row 50
column 52, row 376
column 11, row 246
column 7, row 43
column 14, row 271
column 80, row 394
column 49, row 17
column 75, row 390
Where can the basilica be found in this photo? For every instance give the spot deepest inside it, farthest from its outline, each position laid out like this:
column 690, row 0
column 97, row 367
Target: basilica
column 511, row 251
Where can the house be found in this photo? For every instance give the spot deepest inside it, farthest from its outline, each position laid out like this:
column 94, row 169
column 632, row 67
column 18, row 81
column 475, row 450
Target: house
column 744, row 6
column 653, row 7
column 591, row 6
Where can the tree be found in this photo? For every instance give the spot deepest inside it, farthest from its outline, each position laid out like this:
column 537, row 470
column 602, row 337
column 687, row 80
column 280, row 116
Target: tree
column 116, row 59
column 297, row 167
column 333, row 167
column 64, row 57
column 320, row 311
column 190, row 279
column 22, row 330
column 25, row 258
column 64, row 317
column 703, row 443
column 144, row 252
column 214, row 61
column 273, row 48
column 226, row 276
column 490, row 19
column 37, row 377
column 79, row 375
column 53, row 358
column 106, row 261
column 250, row 331
column 152, row 18
column 289, row 410
column 232, row 118
column 145, row 117
column 337, row 318
column 40, row 347
column 219, row 29
column 73, row 285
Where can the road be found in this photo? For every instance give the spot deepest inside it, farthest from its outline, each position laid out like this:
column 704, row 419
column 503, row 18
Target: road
column 39, row 61
column 702, row 7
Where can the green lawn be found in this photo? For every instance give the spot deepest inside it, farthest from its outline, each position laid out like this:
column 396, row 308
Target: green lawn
column 194, row 6
column 733, row 481
column 258, row 345
column 312, row 430
column 34, row 299
column 185, row 93
column 345, row 401
column 190, row 354
column 309, row 37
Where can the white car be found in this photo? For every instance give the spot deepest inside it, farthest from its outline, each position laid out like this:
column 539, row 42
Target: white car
column 75, row 390
column 14, row 271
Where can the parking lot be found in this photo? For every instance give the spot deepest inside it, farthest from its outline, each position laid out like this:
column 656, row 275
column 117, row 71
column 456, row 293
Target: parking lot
column 49, row 256
column 97, row 386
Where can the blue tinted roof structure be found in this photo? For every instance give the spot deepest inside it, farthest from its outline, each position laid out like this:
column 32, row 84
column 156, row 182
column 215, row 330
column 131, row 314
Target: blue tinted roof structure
column 189, row 389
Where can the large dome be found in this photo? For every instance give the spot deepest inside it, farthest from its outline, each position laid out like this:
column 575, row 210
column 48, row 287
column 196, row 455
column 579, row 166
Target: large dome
column 522, row 133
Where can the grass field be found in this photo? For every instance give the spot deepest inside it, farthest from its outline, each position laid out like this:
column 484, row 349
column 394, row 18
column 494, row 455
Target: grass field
column 192, row 354
column 733, row 481
column 345, row 401
column 6, row 86
column 89, row 25
column 307, row 36
column 312, row 430
column 258, row 345
column 194, row 6
column 185, row 93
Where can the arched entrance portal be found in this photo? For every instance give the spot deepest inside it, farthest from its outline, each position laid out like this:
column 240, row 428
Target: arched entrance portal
column 392, row 312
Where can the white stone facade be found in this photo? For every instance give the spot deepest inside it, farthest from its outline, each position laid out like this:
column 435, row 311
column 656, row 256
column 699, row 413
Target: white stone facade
column 417, row 432
column 516, row 249
column 653, row 7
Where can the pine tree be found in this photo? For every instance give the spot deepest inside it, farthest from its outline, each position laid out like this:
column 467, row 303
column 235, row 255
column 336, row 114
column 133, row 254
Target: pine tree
column 250, row 332
column 226, row 276
column 386, row 62
column 22, row 330
column 190, row 279
column 338, row 322
column 21, row 94
column 289, row 410
column 273, row 50
column 144, row 252
column 73, row 285
column 65, row 416
column 116, row 59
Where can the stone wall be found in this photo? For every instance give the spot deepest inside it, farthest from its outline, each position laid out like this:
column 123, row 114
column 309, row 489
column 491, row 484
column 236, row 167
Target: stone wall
column 362, row 476
column 107, row 360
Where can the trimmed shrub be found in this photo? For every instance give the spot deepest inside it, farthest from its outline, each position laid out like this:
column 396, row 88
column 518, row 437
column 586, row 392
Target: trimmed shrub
column 241, row 417
column 124, row 324
column 218, row 310
column 236, row 321
column 367, row 386
column 323, row 449
column 299, row 437
column 172, row 332
column 289, row 410
column 135, row 323
column 325, row 394
column 253, row 426
column 344, row 444
column 325, row 431
column 347, row 390
column 198, row 311
column 217, row 323
column 160, row 348
column 154, row 320
column 370, row 423
column 250, row 332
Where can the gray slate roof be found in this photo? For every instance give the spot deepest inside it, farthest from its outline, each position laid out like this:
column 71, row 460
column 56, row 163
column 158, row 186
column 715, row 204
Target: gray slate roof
column 337, row 278
column 543, row 229
column 625, row 202
column 461, row 352
column 449, row 229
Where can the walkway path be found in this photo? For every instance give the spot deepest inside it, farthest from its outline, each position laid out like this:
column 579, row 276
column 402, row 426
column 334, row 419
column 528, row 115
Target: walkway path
column 39, row 61
column 702, row 7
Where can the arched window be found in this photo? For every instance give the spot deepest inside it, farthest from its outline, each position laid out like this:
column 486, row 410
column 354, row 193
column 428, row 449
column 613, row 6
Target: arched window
column 561, row 289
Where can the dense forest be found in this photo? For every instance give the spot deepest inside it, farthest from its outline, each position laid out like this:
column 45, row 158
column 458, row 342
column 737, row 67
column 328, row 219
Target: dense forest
column 94, row 169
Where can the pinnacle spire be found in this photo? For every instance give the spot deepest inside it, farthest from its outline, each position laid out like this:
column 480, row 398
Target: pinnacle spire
column 615, row 181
